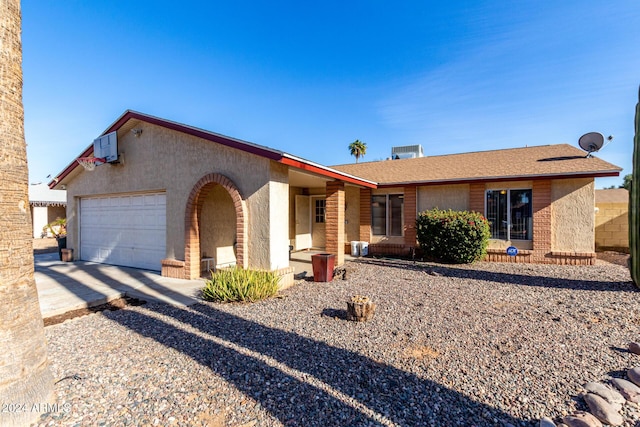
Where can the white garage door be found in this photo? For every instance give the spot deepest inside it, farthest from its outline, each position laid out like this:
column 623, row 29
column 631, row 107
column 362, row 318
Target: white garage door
column 124, row 230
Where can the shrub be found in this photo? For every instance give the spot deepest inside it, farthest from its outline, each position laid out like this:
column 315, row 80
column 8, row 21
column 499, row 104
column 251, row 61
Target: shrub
column 453, row 236
column 237, row 284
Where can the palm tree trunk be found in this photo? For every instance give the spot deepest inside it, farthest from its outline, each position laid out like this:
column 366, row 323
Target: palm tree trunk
column 25, row 378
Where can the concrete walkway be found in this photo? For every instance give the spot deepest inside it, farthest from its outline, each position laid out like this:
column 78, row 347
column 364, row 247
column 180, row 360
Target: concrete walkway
column 64, row 287
column 67, row 286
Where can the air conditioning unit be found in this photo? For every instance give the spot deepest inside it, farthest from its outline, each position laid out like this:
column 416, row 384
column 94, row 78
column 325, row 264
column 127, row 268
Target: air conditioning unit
column 406, row 152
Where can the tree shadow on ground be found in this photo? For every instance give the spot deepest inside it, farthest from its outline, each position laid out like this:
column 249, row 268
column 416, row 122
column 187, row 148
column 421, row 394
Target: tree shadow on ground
column 479, row 274
column 302, row 381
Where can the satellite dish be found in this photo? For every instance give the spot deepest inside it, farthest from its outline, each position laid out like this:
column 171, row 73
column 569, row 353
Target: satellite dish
column 591, row 142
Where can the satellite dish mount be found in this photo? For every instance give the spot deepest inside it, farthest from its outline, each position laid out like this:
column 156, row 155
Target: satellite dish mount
column 592, row 142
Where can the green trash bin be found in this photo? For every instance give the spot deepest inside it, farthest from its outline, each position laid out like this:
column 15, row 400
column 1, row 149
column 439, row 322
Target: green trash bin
column 323, row 265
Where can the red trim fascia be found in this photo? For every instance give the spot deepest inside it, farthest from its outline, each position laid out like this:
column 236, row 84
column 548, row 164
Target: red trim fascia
column 70, row 167
column 310, row 168
column 520, row 178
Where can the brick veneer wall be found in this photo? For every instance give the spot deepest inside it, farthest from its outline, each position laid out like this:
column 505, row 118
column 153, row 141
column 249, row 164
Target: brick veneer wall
column 365, row 214
column 410, row 215
column 541, row 194
column 334, row 220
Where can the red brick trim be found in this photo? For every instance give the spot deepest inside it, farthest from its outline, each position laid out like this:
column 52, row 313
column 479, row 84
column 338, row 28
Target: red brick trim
column 572, row 258
column 390, row 249
column 172, row 268
column 541, row 194
column 365, row 214
column 500, row 255
column 192, row 231
column 410, row 215
column 334, row 217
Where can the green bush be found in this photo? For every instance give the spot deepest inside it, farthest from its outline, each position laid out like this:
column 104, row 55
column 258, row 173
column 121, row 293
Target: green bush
column 237, row 284
column 459, row 237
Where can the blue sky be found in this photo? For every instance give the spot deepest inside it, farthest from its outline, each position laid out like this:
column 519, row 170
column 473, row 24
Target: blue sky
column 310, row 78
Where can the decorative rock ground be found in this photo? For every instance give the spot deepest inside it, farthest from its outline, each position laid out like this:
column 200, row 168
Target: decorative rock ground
column 603, row 410
column 582, row 419
column 634, row 375
column 629, row 390
column 607, row 393
column 547, row 422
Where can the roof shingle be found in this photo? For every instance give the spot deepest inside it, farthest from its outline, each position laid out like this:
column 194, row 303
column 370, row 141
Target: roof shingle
column 560, row 160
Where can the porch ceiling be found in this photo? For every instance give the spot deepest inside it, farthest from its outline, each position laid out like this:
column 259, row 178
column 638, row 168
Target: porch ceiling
column 302, row 179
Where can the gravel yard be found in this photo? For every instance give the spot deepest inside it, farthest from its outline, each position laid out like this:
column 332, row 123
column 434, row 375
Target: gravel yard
column 479, row 345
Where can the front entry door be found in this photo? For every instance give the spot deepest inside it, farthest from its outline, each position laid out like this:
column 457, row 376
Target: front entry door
column 303, row 223
column 318, row 226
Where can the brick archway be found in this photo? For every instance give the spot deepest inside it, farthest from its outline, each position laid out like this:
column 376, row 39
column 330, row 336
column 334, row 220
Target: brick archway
column 192, row 213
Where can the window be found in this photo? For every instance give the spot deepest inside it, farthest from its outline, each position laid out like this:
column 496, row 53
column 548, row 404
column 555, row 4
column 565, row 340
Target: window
column 321, row 207
column 386, row 215
column 509, row 213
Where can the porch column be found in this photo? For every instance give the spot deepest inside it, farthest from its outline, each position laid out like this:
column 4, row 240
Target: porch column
column 541, row 194
column 410, row 215
column 365, row 215
column 334, row 220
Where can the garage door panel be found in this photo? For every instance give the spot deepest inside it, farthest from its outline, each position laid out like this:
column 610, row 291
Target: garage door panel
column 124, row 230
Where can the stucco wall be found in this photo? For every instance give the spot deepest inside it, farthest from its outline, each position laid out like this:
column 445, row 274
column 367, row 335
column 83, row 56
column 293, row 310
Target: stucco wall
column 572, row 215
column 455, row 197
column 218, row 227
column 278, row 217
column 165, row 160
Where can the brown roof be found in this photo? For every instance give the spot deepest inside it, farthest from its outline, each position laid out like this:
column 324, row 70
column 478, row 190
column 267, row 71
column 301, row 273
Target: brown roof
column 539, row 162
column 612, row 195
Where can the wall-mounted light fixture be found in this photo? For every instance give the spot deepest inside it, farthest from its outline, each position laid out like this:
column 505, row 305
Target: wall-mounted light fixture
column 136, row 132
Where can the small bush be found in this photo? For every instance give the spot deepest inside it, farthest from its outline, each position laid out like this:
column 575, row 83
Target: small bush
column 237, row 284
column 459, row 237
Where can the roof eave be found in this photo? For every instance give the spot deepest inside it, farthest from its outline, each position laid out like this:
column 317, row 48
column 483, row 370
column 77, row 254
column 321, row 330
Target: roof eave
column 599, row 174
column 290, row 160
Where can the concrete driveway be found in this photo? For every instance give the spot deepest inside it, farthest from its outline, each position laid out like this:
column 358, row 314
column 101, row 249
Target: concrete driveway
column 66, row 286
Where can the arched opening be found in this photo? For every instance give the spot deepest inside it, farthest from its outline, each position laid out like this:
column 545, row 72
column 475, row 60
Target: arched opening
column 215, row 224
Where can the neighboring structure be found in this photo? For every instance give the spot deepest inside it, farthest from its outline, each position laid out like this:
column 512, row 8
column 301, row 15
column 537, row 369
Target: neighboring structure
column 612, row 219
column 180, row 198
column 46, row 206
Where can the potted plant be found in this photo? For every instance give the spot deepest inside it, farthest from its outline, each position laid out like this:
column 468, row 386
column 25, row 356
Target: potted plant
column 58, row 229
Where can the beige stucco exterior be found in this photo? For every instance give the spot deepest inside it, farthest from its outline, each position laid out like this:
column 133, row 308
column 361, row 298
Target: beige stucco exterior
column 238, row 205
column 455, row 197
column 573, row 215
column 164, row 160
column 218, row 228
column 278, row 229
